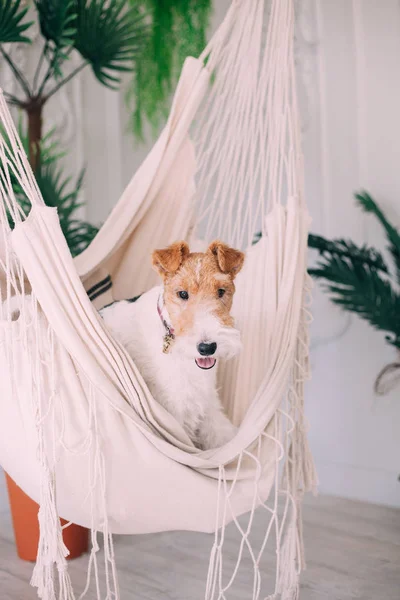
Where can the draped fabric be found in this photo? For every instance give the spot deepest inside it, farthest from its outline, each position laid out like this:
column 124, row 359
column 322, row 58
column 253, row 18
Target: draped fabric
column 79, row 430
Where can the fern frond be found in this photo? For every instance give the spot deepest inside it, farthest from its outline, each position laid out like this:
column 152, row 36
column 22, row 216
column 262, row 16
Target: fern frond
column 369, row 206
column 346, row 249
column 358, row 282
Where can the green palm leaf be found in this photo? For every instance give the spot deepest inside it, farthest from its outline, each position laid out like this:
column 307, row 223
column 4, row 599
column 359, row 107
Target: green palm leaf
column 57, row 20
column 369, row 205
column 109, row 36
column 12, row 13
column 358, row 280
column 360, row 289
column 347, row 250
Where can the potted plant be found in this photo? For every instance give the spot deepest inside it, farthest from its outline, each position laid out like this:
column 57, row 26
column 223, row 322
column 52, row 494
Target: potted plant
column 360, row 280
column 144, row 38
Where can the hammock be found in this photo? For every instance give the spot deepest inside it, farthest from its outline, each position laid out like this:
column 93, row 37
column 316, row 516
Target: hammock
column 79, row 430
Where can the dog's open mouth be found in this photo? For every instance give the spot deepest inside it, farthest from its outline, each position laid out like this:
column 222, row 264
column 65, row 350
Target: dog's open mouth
column 208, row 362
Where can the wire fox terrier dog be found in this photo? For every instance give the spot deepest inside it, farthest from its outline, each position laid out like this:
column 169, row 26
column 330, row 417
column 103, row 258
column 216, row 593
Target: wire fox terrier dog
column 176, row 333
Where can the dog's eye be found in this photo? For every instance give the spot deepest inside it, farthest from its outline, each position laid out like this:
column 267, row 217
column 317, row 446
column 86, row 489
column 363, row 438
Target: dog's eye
column 183, row 295
column 221, row 292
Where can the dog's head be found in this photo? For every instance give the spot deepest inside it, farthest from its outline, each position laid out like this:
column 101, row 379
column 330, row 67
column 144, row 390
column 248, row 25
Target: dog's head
column 198, row 294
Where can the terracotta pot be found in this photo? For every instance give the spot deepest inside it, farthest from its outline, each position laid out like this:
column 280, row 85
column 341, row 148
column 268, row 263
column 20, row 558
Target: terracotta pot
column 24, row 512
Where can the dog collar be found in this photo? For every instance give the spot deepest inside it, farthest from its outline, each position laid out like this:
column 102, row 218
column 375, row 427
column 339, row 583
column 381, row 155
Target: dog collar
column 169, row 336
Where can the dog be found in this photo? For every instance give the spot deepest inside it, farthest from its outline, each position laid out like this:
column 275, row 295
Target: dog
column 177, row 332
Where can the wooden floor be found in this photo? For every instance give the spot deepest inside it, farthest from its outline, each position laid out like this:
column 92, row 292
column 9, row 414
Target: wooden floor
column 353, row 551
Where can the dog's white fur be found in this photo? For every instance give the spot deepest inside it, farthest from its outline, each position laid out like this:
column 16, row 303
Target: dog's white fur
column 186, row 391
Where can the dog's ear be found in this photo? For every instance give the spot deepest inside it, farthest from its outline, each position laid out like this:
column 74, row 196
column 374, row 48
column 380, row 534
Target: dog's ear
column 168, row 260
column 229, row 260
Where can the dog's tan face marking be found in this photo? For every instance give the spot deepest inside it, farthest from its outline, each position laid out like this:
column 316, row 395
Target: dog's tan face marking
column 197, row 277
column 197, row 284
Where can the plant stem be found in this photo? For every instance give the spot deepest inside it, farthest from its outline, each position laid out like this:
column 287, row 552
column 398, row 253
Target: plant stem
column 50, row 70
column 64, row 81
column 34, row 111
column 39, row 65
column 13, row 99
column 47, row 76
column 17, row 73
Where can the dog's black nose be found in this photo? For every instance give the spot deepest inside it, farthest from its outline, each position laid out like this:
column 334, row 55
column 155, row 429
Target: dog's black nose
column 206, row 349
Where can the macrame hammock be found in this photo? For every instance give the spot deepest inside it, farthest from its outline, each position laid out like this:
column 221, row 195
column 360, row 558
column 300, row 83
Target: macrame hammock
column 79, row 430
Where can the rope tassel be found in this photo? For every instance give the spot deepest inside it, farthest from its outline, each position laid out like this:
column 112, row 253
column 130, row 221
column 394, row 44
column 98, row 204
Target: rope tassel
column 51, row 550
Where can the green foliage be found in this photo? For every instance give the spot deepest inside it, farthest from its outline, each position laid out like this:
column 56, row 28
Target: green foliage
column 177, row 30
column 57, row 20
column 112, row 36
column 148, row 38
column 392, row 235
column 109, row 36
column 12, row 27
column 358, row 278
column 347, row 250
column 58, row 191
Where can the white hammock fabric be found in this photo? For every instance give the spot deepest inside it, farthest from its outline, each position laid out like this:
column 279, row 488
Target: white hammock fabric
column 79, row 429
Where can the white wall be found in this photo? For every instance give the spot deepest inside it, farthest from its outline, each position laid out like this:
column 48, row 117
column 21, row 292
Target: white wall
column 347, row 57
column 353, row 142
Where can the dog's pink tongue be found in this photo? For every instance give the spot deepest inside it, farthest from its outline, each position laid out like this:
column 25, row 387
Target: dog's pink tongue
column 205, row 363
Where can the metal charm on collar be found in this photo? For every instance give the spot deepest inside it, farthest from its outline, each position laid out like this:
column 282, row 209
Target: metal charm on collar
column 168, row 340
column 169, row 336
